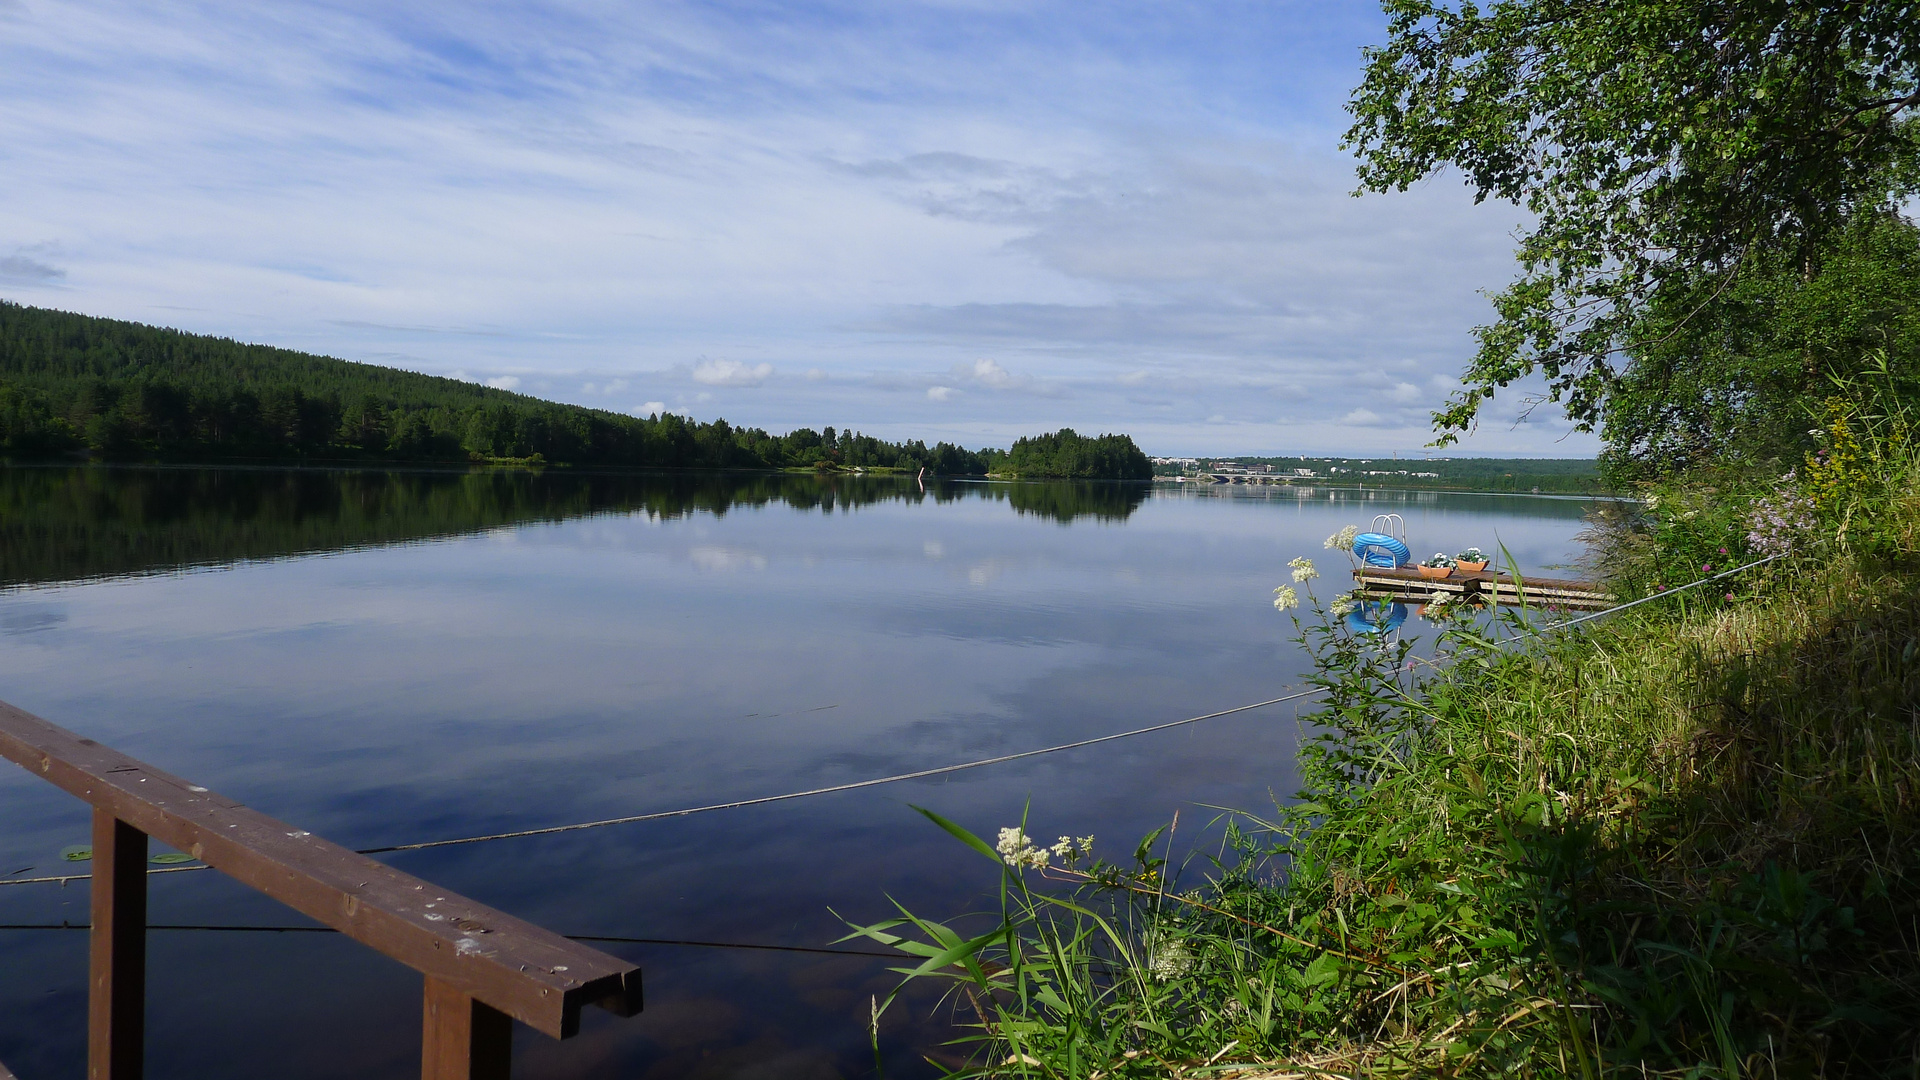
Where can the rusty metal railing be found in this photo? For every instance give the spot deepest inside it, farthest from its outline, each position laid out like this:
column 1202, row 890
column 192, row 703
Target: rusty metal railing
column 483, row 968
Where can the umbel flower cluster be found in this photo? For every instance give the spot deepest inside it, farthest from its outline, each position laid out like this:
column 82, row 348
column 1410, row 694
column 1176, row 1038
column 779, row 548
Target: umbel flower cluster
column 1285, row 598
column 1018, row 851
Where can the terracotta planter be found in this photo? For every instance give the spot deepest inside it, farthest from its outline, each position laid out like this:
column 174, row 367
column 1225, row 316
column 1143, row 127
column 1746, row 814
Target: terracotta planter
column 1470, row 567
column 1435, row 572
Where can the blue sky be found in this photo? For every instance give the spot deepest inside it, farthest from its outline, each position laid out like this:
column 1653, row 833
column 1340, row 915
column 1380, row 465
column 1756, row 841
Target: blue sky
column 967, row 220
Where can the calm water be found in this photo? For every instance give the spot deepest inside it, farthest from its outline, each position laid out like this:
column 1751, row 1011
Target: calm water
column 385, row 658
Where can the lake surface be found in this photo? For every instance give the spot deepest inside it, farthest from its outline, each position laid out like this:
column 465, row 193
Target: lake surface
column 392, row 657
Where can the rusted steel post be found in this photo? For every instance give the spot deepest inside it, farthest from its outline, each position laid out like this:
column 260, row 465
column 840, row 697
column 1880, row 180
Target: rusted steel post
column 463, row 1039
column 117, row 991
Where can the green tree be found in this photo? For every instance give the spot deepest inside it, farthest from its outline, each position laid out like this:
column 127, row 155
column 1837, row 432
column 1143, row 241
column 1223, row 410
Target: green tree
column 1732, row 382
column 1069, row 454
column 1662, row 148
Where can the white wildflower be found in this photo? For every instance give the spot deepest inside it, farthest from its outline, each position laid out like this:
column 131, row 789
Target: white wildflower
column 1343, row 540
column 1303, row 569
column 1285, row 599
column 1344, row 604
column 1017, row 850
column 1167, row 958
column 1068, row 850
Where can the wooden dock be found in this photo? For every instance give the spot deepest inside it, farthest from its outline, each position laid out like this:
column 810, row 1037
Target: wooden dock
column 1501, row 588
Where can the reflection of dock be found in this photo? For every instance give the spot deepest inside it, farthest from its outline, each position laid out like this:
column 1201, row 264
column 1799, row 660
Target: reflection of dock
column 1501, row 588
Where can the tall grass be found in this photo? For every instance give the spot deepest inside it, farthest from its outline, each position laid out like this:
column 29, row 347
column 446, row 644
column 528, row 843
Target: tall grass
column 1682, row 841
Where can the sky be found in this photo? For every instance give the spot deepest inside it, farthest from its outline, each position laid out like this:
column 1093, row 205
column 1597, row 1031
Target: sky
column 957, row 219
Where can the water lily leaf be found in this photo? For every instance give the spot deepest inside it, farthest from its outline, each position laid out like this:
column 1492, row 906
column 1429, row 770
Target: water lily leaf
column 171, row 858
column 77, row 853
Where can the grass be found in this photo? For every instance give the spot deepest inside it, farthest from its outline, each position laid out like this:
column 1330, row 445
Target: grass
column 1679, row 842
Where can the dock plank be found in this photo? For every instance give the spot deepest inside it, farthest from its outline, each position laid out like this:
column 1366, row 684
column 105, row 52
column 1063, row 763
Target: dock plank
column 1502, row 588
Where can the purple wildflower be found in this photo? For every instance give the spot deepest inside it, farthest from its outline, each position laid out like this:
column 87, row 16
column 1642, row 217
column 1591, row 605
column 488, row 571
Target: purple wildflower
column 1778, row 522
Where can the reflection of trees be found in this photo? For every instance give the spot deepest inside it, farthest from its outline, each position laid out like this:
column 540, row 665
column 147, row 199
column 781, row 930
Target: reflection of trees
column 65, row 524
column 1067, row 500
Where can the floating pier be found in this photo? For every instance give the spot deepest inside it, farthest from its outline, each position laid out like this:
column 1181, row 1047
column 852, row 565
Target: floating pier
column 1409, row 583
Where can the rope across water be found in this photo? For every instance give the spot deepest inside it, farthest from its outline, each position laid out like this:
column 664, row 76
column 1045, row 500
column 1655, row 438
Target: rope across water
column 942, row 770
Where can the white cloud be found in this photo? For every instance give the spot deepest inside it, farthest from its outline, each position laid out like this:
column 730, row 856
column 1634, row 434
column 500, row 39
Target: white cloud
column 990, row 373
column 941, row 393
column 1037, row 203
column 651, row 408
column 504, row 382
column 1405, row 393
column 1363, row 418
column 730, row 373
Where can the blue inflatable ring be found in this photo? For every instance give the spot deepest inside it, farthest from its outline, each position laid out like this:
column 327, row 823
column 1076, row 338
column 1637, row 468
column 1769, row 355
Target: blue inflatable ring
column 1379, row 549
column 1377, row 617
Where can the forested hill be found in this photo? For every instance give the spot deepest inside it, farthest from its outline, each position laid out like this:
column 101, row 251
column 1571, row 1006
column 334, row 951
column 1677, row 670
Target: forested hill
column 129, row 391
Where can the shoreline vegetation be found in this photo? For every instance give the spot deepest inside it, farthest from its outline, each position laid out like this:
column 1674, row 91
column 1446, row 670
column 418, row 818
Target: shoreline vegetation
column 1520, row 476
column 122, row 391
column 1677, row 842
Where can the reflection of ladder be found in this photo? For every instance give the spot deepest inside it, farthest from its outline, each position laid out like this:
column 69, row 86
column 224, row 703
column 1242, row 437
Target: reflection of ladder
column 1390, row 525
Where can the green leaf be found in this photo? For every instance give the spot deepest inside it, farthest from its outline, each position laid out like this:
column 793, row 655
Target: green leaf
column 961, row 834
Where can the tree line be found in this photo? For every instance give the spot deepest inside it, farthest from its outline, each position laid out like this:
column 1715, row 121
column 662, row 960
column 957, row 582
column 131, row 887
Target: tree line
column 127, row 391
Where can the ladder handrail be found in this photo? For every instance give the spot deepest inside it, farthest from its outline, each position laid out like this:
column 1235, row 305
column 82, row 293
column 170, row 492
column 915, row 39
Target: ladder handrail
column 1384, row 525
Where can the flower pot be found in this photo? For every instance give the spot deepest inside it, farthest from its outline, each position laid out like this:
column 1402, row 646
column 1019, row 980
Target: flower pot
column 1435, row 572
column 1471, row 567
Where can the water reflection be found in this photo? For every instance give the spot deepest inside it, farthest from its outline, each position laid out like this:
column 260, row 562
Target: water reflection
column 478, row 653
column 75, row 524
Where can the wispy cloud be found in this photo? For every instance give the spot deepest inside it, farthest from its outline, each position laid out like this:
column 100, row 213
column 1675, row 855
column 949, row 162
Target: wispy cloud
column 24, row 268
column 1133, row 212
column 730, row 373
